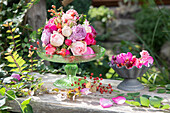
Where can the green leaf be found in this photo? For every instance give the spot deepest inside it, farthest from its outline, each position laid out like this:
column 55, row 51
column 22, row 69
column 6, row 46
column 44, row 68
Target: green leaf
column 129, row 98
column 155, row 102
column 8, row 31
column 28, row 109
column 133, row 94
column 122, row 94
column 147, row 96
column 168, row 86
column 2, row 101
column 161, row 90
column 2, row 91
column 152, row 89
column 160, row 98
column 5, row 108
column 165, row 106
column 9, row 58
column 11, row 95
column 9, row 37
column 135, row 103
column 16, row 36
column 12, row 65
column 168, row 92
column 25, row 102
column 13, row 29
column 144, row 101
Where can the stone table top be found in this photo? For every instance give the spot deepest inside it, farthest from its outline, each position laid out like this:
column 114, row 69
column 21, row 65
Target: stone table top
column 49, row 103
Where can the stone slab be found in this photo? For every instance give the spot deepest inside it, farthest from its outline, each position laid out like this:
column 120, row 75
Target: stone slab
column 49, row 103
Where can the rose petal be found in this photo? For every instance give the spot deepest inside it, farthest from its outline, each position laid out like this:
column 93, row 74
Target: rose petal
column 119, row 100
column 105, row 103
column 85, row 91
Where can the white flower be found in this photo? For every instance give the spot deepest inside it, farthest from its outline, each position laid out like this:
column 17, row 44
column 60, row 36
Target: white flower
column 66, row 31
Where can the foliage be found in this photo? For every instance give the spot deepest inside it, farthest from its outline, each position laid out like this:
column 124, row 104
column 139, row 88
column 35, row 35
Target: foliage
column 150, row 24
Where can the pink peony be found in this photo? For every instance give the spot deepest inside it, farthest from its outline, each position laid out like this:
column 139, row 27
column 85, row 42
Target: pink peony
column 144, row 54
column 89, row 39
column 50, row 50
column 17, row 76
column 79, row 33
column 119, row 100
column 45, row 38
column 68, row 42
column 78, row 48
column 56, row 39
column 88, row 52
column 105, row 103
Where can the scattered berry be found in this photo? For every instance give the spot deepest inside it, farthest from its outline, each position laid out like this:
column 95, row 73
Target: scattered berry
column 101, row 92
column 100, row 75
column 30, row 49
column 79, row 79
column 78, row 83
column 105, row 90
column 94, row 78
column 101, row 78
column 71, row 84
column 111, row 89
column 109, row 84
column 100, row 83
column 35, row 48
column 92, row 74
column 85, row 77
column 94, row 82
column 97, row 78
column 91, row 77
column 53, row 6
column 110, row 92
column 79, row 87
column 75, row 82
column 31, row 46
column 38, row 42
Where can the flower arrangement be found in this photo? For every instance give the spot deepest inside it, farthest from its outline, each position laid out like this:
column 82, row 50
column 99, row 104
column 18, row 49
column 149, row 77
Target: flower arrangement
column 65, row 35
column 128, row 60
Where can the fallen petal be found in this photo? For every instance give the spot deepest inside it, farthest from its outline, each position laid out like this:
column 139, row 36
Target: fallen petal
column 85, row 91
column 119, row 100
column 105, row 103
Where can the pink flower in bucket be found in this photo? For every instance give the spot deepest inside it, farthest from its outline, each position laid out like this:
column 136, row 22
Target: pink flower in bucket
column 105, row 103
column 119, row 100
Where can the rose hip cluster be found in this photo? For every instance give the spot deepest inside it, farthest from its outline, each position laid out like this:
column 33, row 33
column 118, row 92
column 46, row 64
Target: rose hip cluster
column 64, row 35
column 128, row 60
column 95, row 80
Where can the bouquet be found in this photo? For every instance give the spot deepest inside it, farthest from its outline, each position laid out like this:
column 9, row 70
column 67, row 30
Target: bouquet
column 68, row 33
column 128, row 60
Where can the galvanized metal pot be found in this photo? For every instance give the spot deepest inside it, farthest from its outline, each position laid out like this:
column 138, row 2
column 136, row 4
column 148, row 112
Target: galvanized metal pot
column 130, row 82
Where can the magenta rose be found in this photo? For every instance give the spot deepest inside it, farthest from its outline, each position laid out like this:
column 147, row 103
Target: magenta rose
column 67, row 52
column 51, row 25
column 56, row 39
column 89, row 39
column 78, row 48
column 45, row 38
column 79, row 33
column 68, row 42
column 50, row 50
column 93, row 31
column 16, row 76
column 88, row 52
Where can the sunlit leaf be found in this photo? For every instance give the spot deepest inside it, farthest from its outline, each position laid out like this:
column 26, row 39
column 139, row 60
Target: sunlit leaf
column 16, row 36
column 167, row 106
column 2, row 91
column 56, row 89
column 144, row 101
column 155, row 102
column 12, row 65
column 9, row 37
column 11, row 95
column 13, row 29
column 5, row 25
column 10, row 23
column 8, row 31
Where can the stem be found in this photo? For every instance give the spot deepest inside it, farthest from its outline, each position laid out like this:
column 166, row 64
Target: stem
column 16, row 63
column 16, row 101
column 31, row 64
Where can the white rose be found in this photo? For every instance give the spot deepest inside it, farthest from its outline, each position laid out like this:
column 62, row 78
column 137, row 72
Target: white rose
column 56, row 39
column 66, row 31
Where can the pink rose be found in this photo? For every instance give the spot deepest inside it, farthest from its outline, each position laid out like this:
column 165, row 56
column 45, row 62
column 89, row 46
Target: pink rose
column 66, row 18
column 66, row 31
column 73, row 13
column 78, row 48
column 50, row 50
column 89, row 39
column 56, row 39
column 93, row 31
column 45, row 38
column 67, row 52
column 16, row 76
column 68, row 42
column 144, row 54
column 88, row 52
